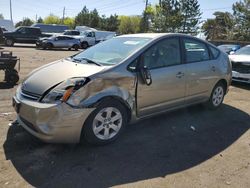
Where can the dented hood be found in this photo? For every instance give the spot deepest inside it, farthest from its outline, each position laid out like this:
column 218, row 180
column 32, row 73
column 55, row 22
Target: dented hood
column 49, row 75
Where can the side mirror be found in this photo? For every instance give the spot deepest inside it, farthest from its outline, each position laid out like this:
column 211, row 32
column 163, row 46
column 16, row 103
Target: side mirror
column 146, row 75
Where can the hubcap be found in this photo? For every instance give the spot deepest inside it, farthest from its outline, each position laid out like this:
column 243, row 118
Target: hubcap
column 9, row 42
column 107, row 123
column 218, row 96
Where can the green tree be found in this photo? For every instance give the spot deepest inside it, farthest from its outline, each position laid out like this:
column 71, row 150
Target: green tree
column 145, row 23
column 241, row 12
column 52, row 19
column 129, row 24
column 40, row 20
column 112, row 23
column 221, row 27
column 88, row 18
column 167, row 17
column 24, row 22
column 109, row 24
column 1, row 16
column 69, row 22
column 191, row 14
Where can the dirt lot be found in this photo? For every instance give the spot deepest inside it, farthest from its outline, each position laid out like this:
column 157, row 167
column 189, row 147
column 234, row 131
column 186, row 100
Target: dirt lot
column 160, row 152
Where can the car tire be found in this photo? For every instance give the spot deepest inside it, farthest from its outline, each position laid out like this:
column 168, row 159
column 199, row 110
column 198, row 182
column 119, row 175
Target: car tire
column 105, row 123
column 217, row 97
column 85, row 45
column 76, row 47
column 12, row 77
column 9, row 42
column 49, row 46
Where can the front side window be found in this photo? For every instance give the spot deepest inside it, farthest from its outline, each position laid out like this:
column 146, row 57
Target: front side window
column 196, row 51
column 215, row 52
column 163, row 54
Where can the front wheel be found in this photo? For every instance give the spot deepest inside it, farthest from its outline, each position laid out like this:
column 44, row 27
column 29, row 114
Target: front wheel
column 9, row 42
column 217, row 97
column 106, row 123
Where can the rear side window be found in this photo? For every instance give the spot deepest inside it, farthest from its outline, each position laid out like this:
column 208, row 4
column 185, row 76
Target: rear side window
column 215, row 52
column 195, row 51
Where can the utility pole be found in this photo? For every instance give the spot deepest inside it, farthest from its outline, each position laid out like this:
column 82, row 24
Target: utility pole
column 63, row 14
column 36, row 18
column 146, row 4
column 160, row 3
column 11, row 12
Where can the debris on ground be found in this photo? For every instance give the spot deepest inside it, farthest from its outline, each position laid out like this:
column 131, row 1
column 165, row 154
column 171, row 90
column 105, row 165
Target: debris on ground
column 192, row 128
column 5, row 114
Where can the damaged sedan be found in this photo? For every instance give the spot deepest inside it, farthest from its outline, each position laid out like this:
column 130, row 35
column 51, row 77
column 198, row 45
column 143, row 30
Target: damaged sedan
column 94, row 94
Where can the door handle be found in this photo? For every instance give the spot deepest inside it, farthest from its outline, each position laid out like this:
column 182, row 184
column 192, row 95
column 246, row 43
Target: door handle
column 213, row 68
column 180, row 74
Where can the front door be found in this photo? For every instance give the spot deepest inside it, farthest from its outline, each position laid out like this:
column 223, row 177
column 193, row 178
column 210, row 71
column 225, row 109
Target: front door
column 168, row 78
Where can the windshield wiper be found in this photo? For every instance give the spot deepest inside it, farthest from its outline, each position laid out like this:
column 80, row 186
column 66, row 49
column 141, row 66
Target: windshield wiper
column 87, row 60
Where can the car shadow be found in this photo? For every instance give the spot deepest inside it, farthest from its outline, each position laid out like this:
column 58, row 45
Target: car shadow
column 241, row 85
column 151, row 148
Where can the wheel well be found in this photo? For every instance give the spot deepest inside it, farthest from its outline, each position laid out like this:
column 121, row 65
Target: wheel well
column 120, row 100
column 49, row 43
column 224, row 83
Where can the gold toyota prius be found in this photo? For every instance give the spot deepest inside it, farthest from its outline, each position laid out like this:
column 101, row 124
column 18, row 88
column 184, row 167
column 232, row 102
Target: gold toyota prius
column 96, row 93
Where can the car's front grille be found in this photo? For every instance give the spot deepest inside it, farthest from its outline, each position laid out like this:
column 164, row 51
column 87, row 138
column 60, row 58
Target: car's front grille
column 241, row 67
column 30, row 96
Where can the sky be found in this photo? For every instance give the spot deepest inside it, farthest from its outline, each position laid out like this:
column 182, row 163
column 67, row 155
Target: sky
column 33, row 8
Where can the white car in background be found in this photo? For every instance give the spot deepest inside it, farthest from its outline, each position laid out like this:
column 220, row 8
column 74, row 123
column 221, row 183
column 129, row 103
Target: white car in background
column 241, row 65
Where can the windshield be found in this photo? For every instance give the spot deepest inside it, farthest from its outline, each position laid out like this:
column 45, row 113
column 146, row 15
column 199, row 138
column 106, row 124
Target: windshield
column 112, row 51
column 243, row 51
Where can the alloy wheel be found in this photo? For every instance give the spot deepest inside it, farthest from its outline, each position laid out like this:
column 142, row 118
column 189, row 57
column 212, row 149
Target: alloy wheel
column 107, row 123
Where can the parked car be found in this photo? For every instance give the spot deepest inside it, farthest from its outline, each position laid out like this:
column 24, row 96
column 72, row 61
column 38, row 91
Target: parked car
column 59, row 42
column 241, row 65
column 95, row 93
column 24, row 34
column 72, row 33
column 229, row 48
column 51, row 28
column 2, row 30
column 90, row 38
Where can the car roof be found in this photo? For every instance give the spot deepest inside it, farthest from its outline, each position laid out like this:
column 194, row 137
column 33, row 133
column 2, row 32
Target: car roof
column 146, row 35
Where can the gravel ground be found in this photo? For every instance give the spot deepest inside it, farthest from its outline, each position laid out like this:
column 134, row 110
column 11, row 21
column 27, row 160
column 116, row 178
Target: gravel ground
column 192, row 147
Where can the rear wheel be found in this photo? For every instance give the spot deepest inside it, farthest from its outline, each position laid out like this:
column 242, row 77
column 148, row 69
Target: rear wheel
column 76, row 47
column 106, row 123
column 12, row 77
column 9, row 42
column 217, row 96
column 49, row 46
column 85, row 45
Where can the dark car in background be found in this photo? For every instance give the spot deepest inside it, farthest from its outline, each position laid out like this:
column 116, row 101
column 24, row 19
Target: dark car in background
column 229, row 48
column 72, row 32
column 51, row 28
column 59, row 42
column 2, row 30
column 24, row 34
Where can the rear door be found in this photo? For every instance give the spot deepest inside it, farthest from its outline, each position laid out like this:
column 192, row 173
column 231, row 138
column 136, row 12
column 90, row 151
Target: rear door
column 199, row 70
column 168, row 78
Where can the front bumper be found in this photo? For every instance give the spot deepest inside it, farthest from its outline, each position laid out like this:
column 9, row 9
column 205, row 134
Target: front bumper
column 53, row 123
column 241, row 77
